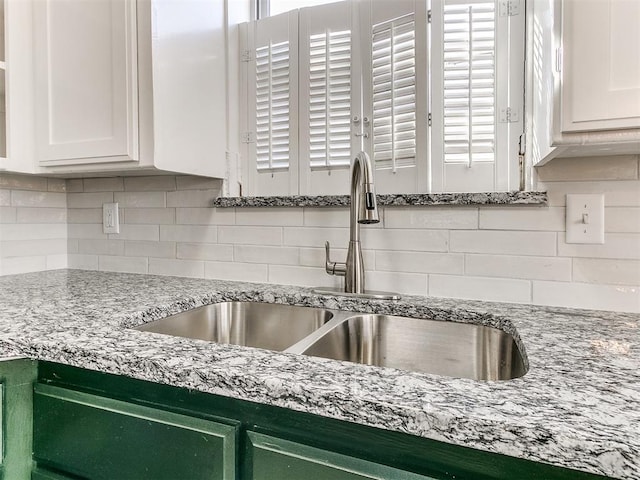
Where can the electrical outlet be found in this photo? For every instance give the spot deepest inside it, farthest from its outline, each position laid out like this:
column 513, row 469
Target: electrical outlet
column 110, row 219
column 585, row 218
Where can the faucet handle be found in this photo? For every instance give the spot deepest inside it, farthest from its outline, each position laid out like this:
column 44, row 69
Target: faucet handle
column 333, row 268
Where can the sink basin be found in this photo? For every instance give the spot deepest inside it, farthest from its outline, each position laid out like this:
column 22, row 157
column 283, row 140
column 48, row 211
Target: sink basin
column 262, row 325
column 444, row 348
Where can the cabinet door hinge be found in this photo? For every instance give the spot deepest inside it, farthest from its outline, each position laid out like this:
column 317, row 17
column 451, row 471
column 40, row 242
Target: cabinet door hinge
column 430, row 119
column 247, row 137
column 509, row 115
column 522, row 144
column 246, row 56
column 429, row 16
column 509, row 8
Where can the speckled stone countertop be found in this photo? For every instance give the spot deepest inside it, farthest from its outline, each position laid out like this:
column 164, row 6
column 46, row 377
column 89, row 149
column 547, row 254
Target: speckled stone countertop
column 578, row 406
column 400, row 199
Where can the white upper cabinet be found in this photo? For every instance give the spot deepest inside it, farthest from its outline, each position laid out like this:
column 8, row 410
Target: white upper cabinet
column 585, row 78
column 130, row 84
column 600, row 65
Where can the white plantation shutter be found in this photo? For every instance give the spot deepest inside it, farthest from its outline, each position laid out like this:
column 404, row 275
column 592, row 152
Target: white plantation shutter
column 394, row 93
column 272, row 134
column 329, row 96
column 477, row 58
column 330, row 99
column 469, row 69
column 271, row 70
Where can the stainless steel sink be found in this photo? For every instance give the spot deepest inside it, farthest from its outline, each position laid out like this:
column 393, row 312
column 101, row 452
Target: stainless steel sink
column 444, row 348
column 262, row 325
column 418, row 345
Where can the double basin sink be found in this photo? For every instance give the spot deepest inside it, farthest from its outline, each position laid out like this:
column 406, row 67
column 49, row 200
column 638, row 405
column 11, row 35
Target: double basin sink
column 418, row 345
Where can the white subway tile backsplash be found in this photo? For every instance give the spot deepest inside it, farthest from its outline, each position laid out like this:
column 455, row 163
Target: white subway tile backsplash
column 191, row 198
column 326, row 217
column 172, row 266
column 150, row 216
column 205, row 216
column 16, row 231
column 504, row 243
column 140, row 199
column 41, row 215
column 277, row 216
column 56, row 185
column 243, row 272
column 8, row 214
column 160, row 183
column 137, row 232
column 83, row 262
column 303, row 276
column 188, row 182
column 189, row 233
column 616, row 245
column 616, row 193
column 585, row 295
column 452, row 218
column 88, row 200
column 622, row 219
column 141, row 248
column 74, row 185
column 315, row 237
column 395, row 282
column 100, row 246
column 84, row 215
column 14, row 265
column 601, row 270
column 480, row 288
column 23, row 182
column 5, row 198
column 72, row 245
column 110, row 263
column 397, row 239
column 523, row 218
column 25, row 248
column 419, row 262
column 55, row 262
column 525, row 267
column 205, row 251
column 269, row 255
column 85, row 230
column 106, row 184
column 315, row 257
column 620, row 167
column 25, row 198
column 243, row 235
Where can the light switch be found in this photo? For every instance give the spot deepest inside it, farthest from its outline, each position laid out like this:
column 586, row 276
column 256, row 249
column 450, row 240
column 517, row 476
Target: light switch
column 585, row 218
column 110, row 220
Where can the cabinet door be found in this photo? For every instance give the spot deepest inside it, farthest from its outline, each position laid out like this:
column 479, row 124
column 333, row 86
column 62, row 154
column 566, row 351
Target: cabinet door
column 601, row 65
column 276, row 459
column 100, row 438
column 85, row 81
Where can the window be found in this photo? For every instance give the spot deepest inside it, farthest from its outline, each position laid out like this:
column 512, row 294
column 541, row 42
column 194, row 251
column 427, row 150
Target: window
column 437, row 106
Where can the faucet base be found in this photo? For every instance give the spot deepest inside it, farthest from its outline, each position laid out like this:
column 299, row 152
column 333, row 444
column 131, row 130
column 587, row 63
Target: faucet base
column 367, row 294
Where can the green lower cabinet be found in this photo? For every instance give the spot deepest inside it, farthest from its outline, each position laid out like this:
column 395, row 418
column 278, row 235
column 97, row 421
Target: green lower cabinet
column 276, row 459
column 39, row 474
column 95, row 437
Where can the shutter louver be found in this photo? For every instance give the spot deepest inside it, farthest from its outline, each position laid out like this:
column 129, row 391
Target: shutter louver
column 469, row 82
column 394, row 93
column 272, row 106
column 330, row 99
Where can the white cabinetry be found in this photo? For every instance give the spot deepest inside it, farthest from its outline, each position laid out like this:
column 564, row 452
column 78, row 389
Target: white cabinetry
column 130, row 85
column 585, row 58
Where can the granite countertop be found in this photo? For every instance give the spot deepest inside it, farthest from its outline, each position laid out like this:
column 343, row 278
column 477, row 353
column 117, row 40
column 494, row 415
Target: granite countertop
column 577, row 407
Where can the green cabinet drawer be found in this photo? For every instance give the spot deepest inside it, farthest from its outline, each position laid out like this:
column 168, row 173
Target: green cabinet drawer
column 100, row 438
column 276, row 459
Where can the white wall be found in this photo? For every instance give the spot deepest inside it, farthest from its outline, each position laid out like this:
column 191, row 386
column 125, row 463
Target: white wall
column 33, row 224
column 512, row 254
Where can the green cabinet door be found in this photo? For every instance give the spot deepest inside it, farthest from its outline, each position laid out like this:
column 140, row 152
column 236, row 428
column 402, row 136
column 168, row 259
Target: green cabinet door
column 273, row 458
column 101, row 438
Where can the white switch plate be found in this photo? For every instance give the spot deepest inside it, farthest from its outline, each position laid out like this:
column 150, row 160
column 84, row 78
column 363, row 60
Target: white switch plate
column 585, row 218
column 110, row 219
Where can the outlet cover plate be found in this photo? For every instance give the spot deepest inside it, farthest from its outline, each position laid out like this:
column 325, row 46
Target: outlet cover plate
column 585, row 218
column 110, row 218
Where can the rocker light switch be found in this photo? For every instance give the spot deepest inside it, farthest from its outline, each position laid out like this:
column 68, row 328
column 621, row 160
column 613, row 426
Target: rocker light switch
column 585, row 219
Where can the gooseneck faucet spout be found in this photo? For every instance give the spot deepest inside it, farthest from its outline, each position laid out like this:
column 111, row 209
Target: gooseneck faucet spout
column 364, row 209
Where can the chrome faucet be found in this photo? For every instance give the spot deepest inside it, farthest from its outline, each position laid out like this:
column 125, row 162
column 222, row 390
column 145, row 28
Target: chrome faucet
column 364, row 209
